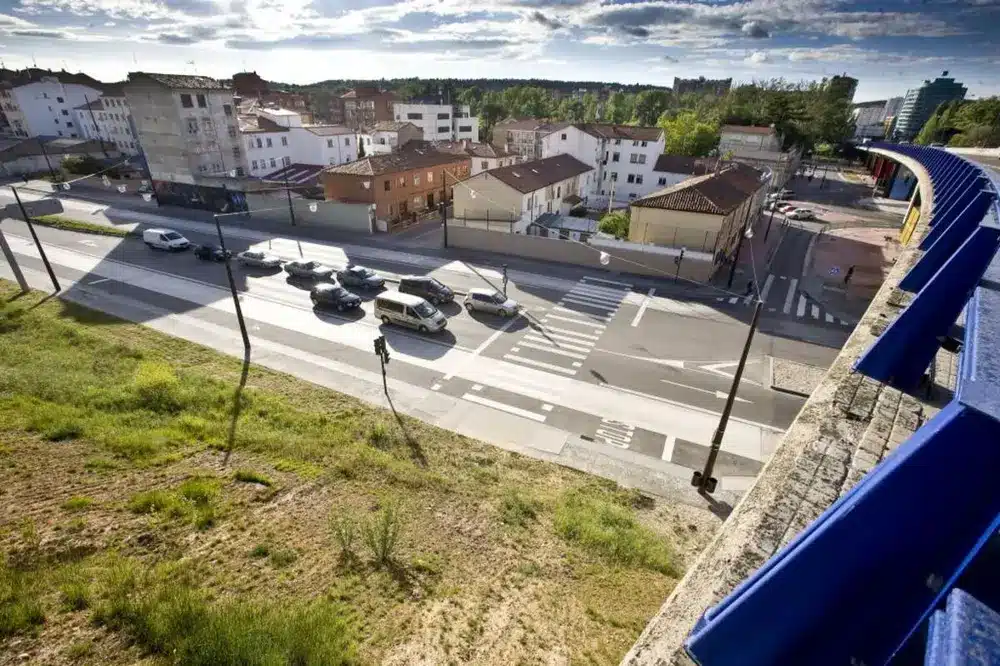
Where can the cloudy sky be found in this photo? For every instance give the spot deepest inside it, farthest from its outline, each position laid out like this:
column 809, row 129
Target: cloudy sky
column 889, row 45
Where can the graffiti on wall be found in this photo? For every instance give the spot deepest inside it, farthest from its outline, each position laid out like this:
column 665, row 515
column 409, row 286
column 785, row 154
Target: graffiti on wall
column 213, row 199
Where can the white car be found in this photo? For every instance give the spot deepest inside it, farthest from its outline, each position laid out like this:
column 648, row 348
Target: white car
column 257, row 259
column 491, row 301
column 164, row 239
column 786, row 208
column 801, row 214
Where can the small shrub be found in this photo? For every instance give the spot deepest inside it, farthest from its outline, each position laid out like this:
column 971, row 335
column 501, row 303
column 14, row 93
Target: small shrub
column 380, row 436
column 159, row 501
column 78, row 503
column 20, row 609
column 75, row 595
column 283, row 557
column 518, row 510
column 157, row 387
column 79, row 650
column 200, row 491
column 261, row 550
column 382, row 534
column 63, row 431
column 345, row 532
column 205, row 517
column 250, row 476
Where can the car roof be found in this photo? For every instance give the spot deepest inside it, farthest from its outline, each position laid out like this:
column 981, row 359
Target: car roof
column 159, row 230
column 484, row 291
column 416, row 277
column 327, row 286
column 399, row 297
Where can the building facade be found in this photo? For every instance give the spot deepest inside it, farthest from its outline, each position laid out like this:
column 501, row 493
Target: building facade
column 621, row 156
column 920, row 103
column 870, row 117
column 439, row 122
column 482, row 156
column 523, row 137
column 389, row 135
column 277, row 138
column 108, row 120
column 39, row 102
column 363, row 107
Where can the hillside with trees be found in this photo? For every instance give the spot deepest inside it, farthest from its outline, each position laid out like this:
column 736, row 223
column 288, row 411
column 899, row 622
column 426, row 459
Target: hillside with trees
column 964, row 123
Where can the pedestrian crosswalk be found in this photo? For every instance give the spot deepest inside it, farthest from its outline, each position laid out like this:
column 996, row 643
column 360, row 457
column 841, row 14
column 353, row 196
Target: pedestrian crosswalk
column 571, row 328
column 782, row 294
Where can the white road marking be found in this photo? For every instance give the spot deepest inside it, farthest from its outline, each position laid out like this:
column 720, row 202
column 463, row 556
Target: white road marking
column 516, row 350
column 592, row 324
column 585, row 314
column 510, row 409
column 100, row 280
column 477, row 387
column 722, row 395
column 620, row 284
column 436, row 387
column 598, row 293
column 546, row 407
column 615, row 433
column 598, row 289
column 734, row 300
column 767, row 287
column 88, row 243
column 589, row 304
column 490, row 340
column 772, row 309
column 642, row 308
column 553, row 350
column 577, row 364
column 829, row 318
column 590, row 298
column 569, row 332
column 801, row 309
column 539, row 364
column 782, row 277
column 790, row 295
column 844, row 323
column 561, row 345
column 652, row 359
column 668, row 448
column 815, row 312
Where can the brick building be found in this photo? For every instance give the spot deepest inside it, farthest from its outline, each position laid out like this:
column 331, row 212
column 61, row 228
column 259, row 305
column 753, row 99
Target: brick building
column 401, row 185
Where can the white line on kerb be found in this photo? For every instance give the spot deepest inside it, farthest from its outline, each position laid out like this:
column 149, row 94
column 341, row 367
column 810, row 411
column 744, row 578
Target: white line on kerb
column 99, row 281
column 668, row 448
column 642, row 308
column 801, row 309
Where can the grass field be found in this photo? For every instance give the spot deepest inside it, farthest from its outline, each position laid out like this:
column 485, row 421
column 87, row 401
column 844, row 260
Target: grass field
column 70, row 224
column 328, row 537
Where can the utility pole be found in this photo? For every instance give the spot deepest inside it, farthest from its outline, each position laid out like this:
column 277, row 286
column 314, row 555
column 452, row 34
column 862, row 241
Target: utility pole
column 774, row 206
column 52, row 172
column 232, row 290
column 38, row 243
column 444, row 204
column 288, row 193
column 677, row 260
column 505, row 280
column 704, row 480
column 382, row 351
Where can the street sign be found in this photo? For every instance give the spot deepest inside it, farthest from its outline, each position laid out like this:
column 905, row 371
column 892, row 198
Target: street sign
column 34, row 208
column 835, row 270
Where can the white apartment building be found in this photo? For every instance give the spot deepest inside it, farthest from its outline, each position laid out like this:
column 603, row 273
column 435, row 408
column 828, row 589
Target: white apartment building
column 870, row 117
column 277, row 138
column 187, row 127
column 439, row 122
column 388, row 135
column 108, row 120
column 42, row 103
column 621, row 156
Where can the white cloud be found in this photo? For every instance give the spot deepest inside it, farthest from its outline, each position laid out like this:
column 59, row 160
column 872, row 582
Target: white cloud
column 757, row 58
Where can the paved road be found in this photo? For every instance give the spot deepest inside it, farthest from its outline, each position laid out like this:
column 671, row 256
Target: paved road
column 639, row 375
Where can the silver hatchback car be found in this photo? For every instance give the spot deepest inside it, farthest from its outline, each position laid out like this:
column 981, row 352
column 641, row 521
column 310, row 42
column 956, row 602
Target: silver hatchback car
column 491, row 301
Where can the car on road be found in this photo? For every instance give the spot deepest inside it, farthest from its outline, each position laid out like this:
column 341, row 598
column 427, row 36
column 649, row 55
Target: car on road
column 786, row 208
column 310, row 270
column 427, row 288
column 164, row 239
column 491, row 301
column 393, row 307
column 786, row 194
column 211, row 253
column 773, row 205
column 257, row 259
column 330, row 295
column 359, row 276
column 801, row 214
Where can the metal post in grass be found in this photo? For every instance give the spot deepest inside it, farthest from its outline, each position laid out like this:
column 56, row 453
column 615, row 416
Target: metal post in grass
column 38, row 243
column 382, row 351
column 12, row 261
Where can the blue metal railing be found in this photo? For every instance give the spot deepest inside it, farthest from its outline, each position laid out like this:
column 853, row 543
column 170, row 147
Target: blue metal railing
column 856, row 585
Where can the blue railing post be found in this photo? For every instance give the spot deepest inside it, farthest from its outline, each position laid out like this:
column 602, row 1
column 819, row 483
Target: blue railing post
column 953, row 209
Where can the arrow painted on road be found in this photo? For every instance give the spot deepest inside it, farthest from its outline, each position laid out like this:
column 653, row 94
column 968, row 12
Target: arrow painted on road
column 722, row 395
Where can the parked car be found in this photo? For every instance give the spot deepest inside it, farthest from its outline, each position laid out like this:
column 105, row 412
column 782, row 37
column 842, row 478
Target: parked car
column 801, row 214
column 359, row 276
column 311, row 270
column 786, row 194
column 408, row 310
column 426, row 287
column 491, row 301
column 164, row 239
column 786, row 208
column 145, row 188
column 257, row 259
column 211, row 253
column 772, row 205
column 329, row 295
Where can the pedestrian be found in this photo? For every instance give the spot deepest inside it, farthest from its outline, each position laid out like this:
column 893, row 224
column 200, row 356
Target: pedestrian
column 849, row 275
column 749, row 288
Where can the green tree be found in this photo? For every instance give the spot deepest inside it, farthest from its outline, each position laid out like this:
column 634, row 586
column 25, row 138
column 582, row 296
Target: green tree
column 619, row 108
column 589, row 108
column 83, row 165
column 650, row 105
column 929, row 132
column 615, row 223
column 686, row 134
column 571, row 110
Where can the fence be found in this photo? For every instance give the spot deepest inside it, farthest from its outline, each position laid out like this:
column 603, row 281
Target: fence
column 484, row 223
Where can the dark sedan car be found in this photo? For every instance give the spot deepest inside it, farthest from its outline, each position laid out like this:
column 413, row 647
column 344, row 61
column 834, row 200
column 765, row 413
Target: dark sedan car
column 334, row 296
column 312, row 270
column 211, row 253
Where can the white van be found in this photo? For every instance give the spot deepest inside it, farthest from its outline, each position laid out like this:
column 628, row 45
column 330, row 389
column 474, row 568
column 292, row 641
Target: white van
column 409, row 310
column 164, row 239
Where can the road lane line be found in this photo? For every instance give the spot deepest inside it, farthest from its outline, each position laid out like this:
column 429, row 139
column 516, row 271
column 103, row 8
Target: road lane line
column 559, row 345
column 600, row 293
column 815, row 312
column 801, row 309
column 829, row 318
column 545, row 334
column 553, row 350
column 668, row 448
column 589, row 304
column 99, row 281
column 573, row 333
column 546, row 407
column 790, row 295
column 767, row 287
column 490, row 340
column 734, row 300
column 539, row 364
column 510, row 409
column 585, row 314
column 620, row 284
column 642, row 308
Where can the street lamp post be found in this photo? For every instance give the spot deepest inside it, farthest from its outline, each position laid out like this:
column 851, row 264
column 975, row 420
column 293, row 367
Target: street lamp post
column 38, row 243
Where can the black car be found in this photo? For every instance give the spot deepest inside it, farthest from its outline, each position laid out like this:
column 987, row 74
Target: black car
column 426, row 288
column 334, row 296
column 211, row 253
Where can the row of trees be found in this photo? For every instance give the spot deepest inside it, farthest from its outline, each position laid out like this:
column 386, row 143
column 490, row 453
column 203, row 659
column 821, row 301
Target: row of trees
column 965, row 123
column 804, row 113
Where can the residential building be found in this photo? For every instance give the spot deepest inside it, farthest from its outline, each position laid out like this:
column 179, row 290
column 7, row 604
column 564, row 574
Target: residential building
column 622, row 157
column 400, row 185
column 268, row 145
column 39, row 102
column 672, row 169
column 337, row 144
column 250, row 86
column 187, row 127
column 483, row 156
column 388, row 135
column 439, row 122
column 523, row 136
column 842, row 86
column 921, row 103
column 565, row 227
column 706, row 213
column 43, row 155
column 759, row 147
column 363, row 107
column 108, row 120
column 702, row 86
column 518, row 194
column 870, row 117
column 278, row 138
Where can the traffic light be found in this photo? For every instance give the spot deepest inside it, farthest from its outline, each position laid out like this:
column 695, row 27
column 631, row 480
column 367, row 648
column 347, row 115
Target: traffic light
column 381, row 349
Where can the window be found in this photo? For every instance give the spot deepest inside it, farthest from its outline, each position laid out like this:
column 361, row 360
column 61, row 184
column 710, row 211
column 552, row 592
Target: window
column 638, row 179
column 443, row 116
column 202, row 102
column 635, row 143
column 329, row 143
column 618, row 142
column 260, row 144
column 286, row 161
column 484, row 165
column 240, row 172
column 186, row 101
column 430, row 176
column 45, row 95
column 347, row 141
column 227, row 109
column 416, row 202
column 284, row 140
column 642, row 159
column 192, row 124
column 232, row 132
column 56, row 122
column 73, row 135
column 563, row 137
column 274, row 163
column 269, row 145
column 414, row 116
column 605, row 175
column 65, row 112
column 465, row 128
column 444, row 130
column 69, row 124
column 253, row 165
column 662, row 180
column 614, row 175
column 631, row 178
column 402, row 181
column 59, row 99
column 615, row 157
column 387, row 185
column 559, row 191
column 643, row 144
column 237, row 152
column 633, row 158
column 416, row 179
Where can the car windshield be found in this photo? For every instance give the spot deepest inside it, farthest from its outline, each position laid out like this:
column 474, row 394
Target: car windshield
column 424, row 309
column 362, row 272
column 252, row 255
column 498, row 297
column 437, row 285
column 172, row 235
column 340, row 292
